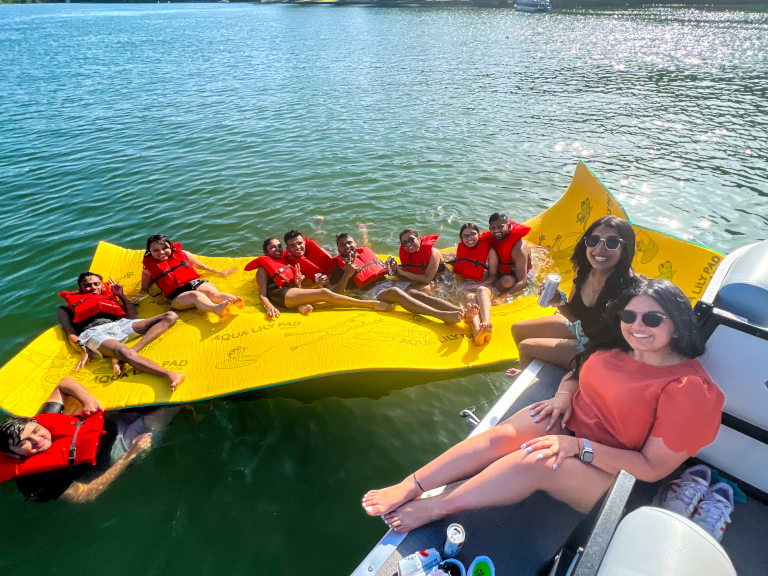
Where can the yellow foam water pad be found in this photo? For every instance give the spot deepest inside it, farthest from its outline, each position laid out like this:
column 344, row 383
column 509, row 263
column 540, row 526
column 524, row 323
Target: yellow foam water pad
column 246, row 351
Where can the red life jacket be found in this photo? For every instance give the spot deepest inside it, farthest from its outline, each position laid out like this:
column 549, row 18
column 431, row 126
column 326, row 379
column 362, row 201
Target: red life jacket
column 278, row 269
column 370, row 267
column 171, row 274
column 85, row 306
column 64, row 429
column 315, row 260
column 416, row 263
column 472, row 262
column 504, row 248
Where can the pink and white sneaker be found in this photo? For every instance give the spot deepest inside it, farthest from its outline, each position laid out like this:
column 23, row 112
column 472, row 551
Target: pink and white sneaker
column 714, row 512
column 685, row 493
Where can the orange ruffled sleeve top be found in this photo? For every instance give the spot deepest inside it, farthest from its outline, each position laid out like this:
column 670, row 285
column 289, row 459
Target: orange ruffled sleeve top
column 621, row 402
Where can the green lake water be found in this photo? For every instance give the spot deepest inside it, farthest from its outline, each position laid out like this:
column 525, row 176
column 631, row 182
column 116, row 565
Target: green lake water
column 222, row 124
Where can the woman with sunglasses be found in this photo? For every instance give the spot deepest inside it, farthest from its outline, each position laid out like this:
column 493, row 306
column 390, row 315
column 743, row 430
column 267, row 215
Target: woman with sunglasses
column 638, row 401
column 420, row 261
column 602, row 264
column 280, row 286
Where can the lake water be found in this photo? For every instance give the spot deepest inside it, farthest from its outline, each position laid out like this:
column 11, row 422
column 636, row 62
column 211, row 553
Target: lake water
column 222, row 124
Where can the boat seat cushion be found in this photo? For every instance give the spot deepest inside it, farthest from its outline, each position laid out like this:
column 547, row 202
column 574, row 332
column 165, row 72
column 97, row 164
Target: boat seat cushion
column 657, row 542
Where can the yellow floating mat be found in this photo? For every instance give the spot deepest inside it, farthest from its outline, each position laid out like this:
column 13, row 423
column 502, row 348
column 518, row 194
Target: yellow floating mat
column 246, row 351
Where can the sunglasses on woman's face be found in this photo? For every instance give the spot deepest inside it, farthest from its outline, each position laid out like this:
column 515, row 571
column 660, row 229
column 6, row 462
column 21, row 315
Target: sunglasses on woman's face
column 408, row 241
column 650, row 319
column 612, row 242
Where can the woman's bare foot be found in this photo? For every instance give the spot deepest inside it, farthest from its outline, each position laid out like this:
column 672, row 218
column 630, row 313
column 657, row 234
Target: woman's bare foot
column 238, row 301
column 471, row 311
column 450, row 317
column 176, row 379
column 380, row 502
column 382, row 306
column 117, row 366
column 306, row 309
column 484, row 334
column 513, row 373
column 221, row 309
column 414, row 514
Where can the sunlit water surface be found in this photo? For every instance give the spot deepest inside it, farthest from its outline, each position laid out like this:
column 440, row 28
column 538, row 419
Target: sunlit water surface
column 221, row 124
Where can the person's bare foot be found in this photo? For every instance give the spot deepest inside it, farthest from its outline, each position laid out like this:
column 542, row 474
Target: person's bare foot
column 382, row 306
column 380, row 502
column 176, row 379
column 117, row 366
column 239, row 302
column 306, row 309
column 221, row 309
column 471, row 311
column 414, row 514
column 513, row 373
column 451, row 317
column 484, row 334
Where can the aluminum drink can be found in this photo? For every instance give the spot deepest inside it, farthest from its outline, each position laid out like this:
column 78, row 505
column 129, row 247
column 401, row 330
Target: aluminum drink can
column 454, row 540
column 551, row 284
column 317, row 278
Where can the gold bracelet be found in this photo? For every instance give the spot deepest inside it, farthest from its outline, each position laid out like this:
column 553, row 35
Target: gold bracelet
column 564, row 392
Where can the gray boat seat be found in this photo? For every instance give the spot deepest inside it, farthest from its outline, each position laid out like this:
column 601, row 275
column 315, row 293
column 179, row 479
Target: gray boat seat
column 657, row 542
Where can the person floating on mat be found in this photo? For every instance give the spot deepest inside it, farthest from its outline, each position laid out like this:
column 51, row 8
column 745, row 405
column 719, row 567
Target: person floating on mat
column 280, row 285
column 602, row 264
column 75, row 457
column 638, row 401
column 514, row 255
column 368, row 275
column 420, row 261
column 476, row 265
column 174, row 272
column 98, row 320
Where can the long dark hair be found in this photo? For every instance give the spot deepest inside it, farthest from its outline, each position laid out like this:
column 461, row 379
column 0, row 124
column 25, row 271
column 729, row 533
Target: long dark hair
column 623, row 276
column 160, row 239
column 687, row 342
column 266, row 242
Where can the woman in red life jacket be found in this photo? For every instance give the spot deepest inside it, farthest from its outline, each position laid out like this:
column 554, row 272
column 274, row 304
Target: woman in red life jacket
column 175, row 272
column 514, row 255
column 602, row 264
column 98, row 321
column 74, row 457
column 476, row 264
column 280, row 286
column 420, row 261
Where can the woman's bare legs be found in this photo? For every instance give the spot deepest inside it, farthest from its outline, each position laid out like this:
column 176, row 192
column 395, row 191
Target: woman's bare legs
column 546, row 338
column 201, row 301
column 210, row 290
column 406, row 301
column 296, row 297
column 462, row 461
column 484, row 332
column 508, row 480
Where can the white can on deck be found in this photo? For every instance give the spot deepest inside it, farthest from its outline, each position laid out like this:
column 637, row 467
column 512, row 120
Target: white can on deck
column 454, row 540
column 551, row 285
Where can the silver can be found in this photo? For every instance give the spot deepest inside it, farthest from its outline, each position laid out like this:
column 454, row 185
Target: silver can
column 454, row 540
column 551, row 285
column 317, row 278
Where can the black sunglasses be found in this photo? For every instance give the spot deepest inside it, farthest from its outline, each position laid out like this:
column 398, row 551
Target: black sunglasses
column 408, row 241
column 650, row 319
column 612, row 243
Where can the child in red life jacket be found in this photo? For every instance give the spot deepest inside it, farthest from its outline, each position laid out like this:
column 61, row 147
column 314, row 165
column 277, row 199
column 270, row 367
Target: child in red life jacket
column 175, row 272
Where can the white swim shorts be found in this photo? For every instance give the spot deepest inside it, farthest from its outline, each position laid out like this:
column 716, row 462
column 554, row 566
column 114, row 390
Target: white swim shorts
column 120, row 330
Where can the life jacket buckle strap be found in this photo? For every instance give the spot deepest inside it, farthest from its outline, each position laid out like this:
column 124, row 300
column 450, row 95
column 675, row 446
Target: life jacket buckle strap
column 73, row 446
column 170, row 270
column 475, row 262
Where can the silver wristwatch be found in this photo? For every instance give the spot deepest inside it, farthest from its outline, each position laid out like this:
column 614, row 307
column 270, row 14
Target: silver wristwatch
column 586, row 453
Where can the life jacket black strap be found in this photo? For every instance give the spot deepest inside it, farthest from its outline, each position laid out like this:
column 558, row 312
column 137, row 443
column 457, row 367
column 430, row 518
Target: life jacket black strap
column 475, row 262
column 73, row 446
column 184, row 264
column 419, row 266
column 273, row 276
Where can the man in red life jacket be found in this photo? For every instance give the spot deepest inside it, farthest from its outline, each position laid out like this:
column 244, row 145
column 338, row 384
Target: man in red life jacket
column 76, row 458
column 99, row 320
column 311, row 261
column 506, row 238
column 367, row 275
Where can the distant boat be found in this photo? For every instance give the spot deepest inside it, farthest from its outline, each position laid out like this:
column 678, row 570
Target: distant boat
column 533, row 6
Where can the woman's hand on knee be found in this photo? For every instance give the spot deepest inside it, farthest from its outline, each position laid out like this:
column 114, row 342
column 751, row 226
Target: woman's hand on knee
column 558, row 406
column 554, row 449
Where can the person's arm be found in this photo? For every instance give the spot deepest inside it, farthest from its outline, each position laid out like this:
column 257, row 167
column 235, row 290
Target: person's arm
column 195, row 261
column 493, row 267
column 348, row 273
column 565, row 309
column 127, row 305
column 429, row 274
column 69, row 331
column 561, row 404
column 71, row 387
column 146, row 282
column 79, row 493
column 262, row 281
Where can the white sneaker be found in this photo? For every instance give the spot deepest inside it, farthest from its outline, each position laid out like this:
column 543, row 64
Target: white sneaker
column 714, row 512
column 685, row 493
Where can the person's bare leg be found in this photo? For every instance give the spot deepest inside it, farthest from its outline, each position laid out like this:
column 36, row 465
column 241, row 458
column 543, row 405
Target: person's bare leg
column 150, row 329
column 210, row 290
column 553, row 350
column 161, row 417
column 298, row 297
column 196, row 299
column 552, row 327
column 397, row 296
column 483, row 301
column 462, row 461
column 506, row 481
column 115, row 349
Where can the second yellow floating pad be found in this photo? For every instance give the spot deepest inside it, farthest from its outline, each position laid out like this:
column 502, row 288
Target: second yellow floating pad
column 245, row 351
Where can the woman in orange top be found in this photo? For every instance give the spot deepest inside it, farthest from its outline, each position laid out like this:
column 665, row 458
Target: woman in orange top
column 638, row 401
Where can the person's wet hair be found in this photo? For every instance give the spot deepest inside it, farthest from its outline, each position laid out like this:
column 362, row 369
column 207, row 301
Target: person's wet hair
column 291, row 234
column 265, row 244
column 11, row 431
column 341, row 237
column 468, row 225
column 85, row 275
column 688, row 340
column 497, row 216
column 409, row 231
column 160, row 239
